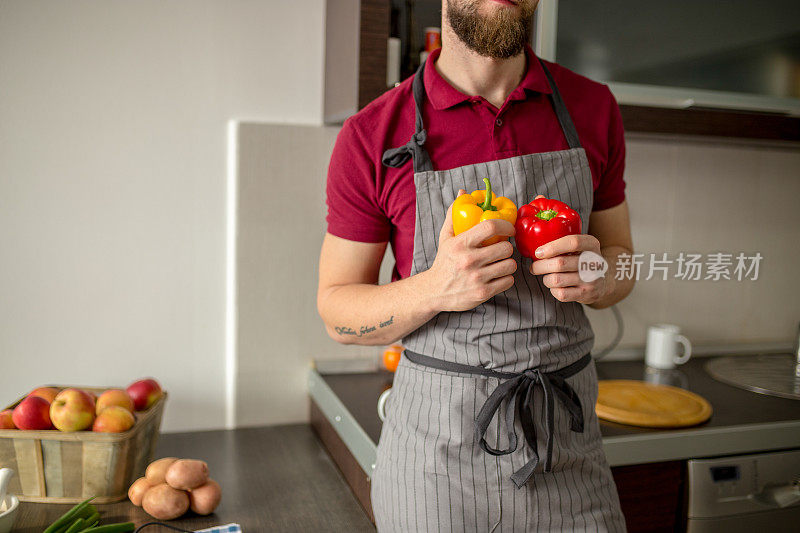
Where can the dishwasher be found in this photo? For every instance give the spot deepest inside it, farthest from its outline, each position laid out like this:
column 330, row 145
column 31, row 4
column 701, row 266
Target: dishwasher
column 746, row 493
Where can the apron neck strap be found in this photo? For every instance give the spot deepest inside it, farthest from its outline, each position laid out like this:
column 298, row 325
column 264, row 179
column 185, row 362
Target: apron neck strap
column 560, row 108
column 414, row 149
column 418, row 88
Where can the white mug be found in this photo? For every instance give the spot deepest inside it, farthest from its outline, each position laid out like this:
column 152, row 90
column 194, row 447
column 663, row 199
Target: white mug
column 662, row 347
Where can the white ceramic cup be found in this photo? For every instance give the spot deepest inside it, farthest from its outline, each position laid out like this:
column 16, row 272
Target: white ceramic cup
column 662, row 347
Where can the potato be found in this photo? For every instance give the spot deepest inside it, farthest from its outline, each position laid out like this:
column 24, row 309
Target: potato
column 165, row 503
column 205, row 498
column 157, row 469
column 187, row 474
column 137, row 490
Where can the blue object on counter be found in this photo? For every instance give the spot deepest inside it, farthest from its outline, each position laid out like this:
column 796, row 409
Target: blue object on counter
column 228, row 528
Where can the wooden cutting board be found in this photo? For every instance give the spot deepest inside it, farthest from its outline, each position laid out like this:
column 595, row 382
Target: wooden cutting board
column 638, row 403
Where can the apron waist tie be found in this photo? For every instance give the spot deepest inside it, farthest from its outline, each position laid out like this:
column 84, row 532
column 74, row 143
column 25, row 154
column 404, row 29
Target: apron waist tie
column 518, row 391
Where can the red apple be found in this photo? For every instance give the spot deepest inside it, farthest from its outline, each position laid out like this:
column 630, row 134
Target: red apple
column 144, row 393
column 91, row 395
column 6, row 420
column 48, row 393
column 114, row 397
column 32, row 413
column 72, row 410
column 114, row 419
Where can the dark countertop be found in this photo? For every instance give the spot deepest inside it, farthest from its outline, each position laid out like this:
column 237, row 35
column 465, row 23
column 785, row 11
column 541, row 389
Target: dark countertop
column 741, row 421
column 273, row 479
column 732, row 406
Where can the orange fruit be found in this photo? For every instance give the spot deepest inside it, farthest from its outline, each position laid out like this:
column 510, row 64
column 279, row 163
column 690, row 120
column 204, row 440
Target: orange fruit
column 391, row 357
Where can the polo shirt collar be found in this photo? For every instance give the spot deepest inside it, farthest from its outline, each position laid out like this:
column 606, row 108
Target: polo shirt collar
column 442, row 95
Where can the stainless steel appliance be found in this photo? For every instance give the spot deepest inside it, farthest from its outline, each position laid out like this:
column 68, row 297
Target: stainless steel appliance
column 746, row 493
column 776, row 374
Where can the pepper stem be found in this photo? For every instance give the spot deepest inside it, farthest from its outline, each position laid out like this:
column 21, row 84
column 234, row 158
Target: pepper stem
column 487, row 203
column 547, row 214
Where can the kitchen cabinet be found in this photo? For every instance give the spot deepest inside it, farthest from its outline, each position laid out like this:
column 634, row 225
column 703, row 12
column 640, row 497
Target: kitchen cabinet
column 649, row 465
column 727, row 70
column 356, row 33
column 740, row 54
column 651, row 495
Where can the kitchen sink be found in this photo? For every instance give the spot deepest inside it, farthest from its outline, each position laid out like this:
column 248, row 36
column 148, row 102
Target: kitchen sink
column 772, row 374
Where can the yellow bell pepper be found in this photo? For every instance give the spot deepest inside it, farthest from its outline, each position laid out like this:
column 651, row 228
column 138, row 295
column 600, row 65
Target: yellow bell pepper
column 471, row 209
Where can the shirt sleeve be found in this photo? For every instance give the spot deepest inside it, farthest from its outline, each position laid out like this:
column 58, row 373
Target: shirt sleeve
column 354, row 212
column 610, row 190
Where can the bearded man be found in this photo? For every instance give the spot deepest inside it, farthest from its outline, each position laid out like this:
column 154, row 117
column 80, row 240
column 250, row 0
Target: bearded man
column 490, row 423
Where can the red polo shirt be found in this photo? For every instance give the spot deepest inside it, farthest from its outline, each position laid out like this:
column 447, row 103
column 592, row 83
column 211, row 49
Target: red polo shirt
column 369, row 202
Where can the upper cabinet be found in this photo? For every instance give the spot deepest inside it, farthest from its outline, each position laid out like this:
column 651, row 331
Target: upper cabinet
column 737, row 54
column 356, row 35
column 728, row 69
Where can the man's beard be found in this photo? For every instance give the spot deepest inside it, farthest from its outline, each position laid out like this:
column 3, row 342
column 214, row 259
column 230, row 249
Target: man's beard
column 499, row 36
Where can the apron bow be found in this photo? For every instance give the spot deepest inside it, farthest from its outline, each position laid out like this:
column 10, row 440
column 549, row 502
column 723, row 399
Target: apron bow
column 397, row 157
column 518, row 393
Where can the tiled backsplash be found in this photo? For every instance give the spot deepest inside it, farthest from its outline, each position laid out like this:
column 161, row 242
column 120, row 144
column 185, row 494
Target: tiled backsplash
column 702, row 197
column 684, row 195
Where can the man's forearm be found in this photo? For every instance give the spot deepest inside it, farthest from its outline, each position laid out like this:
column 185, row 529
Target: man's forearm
column 619, row 288
column 377, row 314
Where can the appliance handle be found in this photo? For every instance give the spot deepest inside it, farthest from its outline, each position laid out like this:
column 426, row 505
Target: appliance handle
column 779, row 496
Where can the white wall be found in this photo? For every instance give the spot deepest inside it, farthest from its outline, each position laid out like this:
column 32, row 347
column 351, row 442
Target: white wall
column 112, row 182
column 112, row 206
column 706, row 196
column 691, row 195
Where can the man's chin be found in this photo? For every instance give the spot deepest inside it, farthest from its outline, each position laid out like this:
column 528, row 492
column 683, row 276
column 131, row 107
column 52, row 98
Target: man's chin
column 491, row 28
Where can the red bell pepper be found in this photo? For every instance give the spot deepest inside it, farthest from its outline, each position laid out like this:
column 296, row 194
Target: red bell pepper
column 544, row 220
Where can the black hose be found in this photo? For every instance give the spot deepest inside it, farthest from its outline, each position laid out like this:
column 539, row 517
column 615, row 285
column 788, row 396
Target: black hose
column 162, row 524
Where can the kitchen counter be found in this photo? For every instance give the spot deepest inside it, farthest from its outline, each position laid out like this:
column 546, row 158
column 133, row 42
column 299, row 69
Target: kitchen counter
column 742, row 422
column 273, row 479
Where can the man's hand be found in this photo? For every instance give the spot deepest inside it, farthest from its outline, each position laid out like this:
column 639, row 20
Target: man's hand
column 557, row 261
column 465, row 273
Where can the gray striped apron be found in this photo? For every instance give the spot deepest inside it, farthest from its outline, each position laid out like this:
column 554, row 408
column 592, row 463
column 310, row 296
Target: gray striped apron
column 449, row 458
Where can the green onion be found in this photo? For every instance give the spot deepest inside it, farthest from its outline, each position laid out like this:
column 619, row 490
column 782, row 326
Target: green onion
column 122, row 527
column 76, row 526
column 92, row 518
column 68, row 517
column 90, row 526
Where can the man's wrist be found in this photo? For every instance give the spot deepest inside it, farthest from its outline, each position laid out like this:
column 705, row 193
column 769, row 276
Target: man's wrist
column 428, row 302
column 610, row 284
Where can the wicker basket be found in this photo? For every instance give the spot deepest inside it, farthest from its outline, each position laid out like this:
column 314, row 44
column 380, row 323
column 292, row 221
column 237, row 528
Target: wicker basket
column 57, row 467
